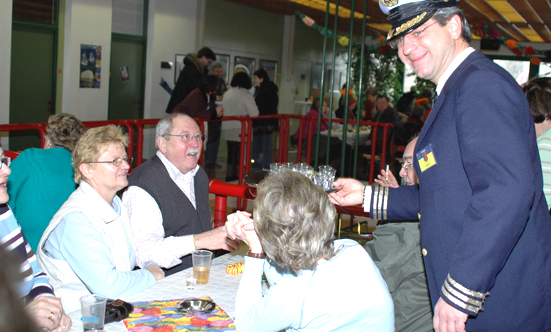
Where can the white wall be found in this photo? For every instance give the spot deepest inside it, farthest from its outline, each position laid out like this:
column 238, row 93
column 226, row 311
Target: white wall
column 86, row 22
column 244, row 31
column 5, row 56
column 171, row 30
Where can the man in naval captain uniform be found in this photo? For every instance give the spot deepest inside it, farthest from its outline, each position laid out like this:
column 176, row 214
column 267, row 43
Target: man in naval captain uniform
column 485, row 227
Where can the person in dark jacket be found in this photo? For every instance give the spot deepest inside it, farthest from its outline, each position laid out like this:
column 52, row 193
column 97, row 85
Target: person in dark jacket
column 266, row 100
column 196, row 66
column 213, row 140
column 197, row 103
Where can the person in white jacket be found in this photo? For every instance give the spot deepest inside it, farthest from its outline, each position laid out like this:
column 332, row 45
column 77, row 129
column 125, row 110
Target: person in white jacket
column 88, row 246
column 238, row 101
column 291, row 240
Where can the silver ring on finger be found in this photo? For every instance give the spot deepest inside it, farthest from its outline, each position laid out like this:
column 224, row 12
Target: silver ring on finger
column 52, row 315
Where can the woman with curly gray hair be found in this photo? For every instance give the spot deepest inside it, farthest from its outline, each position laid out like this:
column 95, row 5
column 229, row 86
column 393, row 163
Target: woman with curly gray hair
column 291, row 240
column 36, row 171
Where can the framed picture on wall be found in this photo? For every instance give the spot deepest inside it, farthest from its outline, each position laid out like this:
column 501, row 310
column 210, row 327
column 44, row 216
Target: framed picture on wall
column 270, row 67
column 224, row 60
column 179, row 65
column 245, row 63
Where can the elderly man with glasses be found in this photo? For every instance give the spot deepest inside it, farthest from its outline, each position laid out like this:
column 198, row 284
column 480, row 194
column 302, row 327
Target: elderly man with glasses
column 485, row 226
column 168, row 200
column 396, row 250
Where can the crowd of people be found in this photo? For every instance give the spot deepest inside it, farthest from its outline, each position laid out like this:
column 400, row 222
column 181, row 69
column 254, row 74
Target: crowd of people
column 461, row 246
column 202, row 95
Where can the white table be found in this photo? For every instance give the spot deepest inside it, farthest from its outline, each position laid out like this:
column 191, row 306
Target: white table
column 222, row 288
column 350, row 135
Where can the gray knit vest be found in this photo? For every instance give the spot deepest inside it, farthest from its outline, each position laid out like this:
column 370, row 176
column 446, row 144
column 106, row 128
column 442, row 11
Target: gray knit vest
column 179, row 215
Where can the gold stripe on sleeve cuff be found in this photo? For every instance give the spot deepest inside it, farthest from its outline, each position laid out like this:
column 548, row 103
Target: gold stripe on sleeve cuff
column 464, row 298
column 472, row 293
column 460, row 304
column 374, row 204
column 460, row 296
column 385, row 202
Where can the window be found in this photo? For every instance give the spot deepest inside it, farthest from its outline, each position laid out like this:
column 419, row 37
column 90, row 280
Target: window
column 37, row 11
column 519, row 69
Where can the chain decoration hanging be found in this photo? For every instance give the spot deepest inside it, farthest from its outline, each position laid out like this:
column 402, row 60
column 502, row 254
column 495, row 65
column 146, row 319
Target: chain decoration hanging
column 379, row 46
column 482, row 30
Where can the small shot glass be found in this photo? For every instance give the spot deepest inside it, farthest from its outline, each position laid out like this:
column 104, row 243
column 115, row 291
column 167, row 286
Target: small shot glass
column 191, row 282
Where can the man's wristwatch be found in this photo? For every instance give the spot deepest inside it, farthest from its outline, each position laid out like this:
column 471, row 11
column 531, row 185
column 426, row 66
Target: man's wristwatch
column 254, row 255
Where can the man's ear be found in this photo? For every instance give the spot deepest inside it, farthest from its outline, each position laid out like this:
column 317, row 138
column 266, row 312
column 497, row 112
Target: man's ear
column 455, row 27
column 161, row 143
column 86, row 170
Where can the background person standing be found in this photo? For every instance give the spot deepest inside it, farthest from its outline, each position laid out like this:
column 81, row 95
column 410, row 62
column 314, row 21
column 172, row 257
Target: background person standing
column 266, row 100
column 195, row 68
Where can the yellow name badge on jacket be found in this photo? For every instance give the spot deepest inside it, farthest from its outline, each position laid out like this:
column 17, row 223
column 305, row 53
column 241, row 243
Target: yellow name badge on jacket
column 425, row 157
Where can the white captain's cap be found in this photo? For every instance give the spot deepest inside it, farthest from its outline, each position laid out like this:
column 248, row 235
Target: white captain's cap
column 407, row 15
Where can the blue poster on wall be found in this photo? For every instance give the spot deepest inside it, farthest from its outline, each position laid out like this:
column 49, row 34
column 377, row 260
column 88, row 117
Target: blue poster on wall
column 90, row 66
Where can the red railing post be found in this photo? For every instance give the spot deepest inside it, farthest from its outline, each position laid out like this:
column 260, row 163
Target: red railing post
column 139, row 124
column 40, row 127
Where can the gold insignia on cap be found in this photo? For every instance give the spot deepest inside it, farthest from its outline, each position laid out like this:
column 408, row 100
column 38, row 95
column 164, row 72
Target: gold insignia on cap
column 406, row 25
column 389, row 3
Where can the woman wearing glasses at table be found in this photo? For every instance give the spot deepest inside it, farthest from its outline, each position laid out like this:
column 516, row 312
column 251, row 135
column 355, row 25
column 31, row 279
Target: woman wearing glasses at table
column 291, row 240
column 49, row 168
column 88, row 246
column 45, row 309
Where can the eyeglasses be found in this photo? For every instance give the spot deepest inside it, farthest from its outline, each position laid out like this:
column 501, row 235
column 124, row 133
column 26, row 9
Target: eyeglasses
column 5, row 161
column 413, row 36
column 186, row 137
column 117, row 162
column 407, row 164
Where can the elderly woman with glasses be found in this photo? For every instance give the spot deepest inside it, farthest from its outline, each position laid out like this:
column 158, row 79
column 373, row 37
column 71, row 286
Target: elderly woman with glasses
column 88, row 246
column 48, row 169
column 291, row 240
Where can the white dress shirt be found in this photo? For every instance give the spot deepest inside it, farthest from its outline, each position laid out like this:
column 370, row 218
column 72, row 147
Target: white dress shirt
column 146, row 221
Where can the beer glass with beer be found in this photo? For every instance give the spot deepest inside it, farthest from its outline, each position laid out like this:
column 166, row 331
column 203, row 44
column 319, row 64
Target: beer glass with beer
column 201, row 265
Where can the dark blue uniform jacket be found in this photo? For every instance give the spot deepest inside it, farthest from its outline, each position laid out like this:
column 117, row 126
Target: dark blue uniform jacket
column 485, row 227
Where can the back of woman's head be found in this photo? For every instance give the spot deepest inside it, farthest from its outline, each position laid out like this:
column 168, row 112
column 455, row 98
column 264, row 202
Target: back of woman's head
column 295, row 221
column 93, row 143
column 209, row 84
column 64, row 130
column 241, row 80
column 538, row 93
column 262, row 74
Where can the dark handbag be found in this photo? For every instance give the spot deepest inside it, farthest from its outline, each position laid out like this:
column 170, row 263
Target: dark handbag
column 117, row 310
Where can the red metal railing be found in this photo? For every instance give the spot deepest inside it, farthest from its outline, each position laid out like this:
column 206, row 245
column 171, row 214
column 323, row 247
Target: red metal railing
column 223, row 190
column 313, row 120
column 246, row 136
column 40, row 127
column 139, row 124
